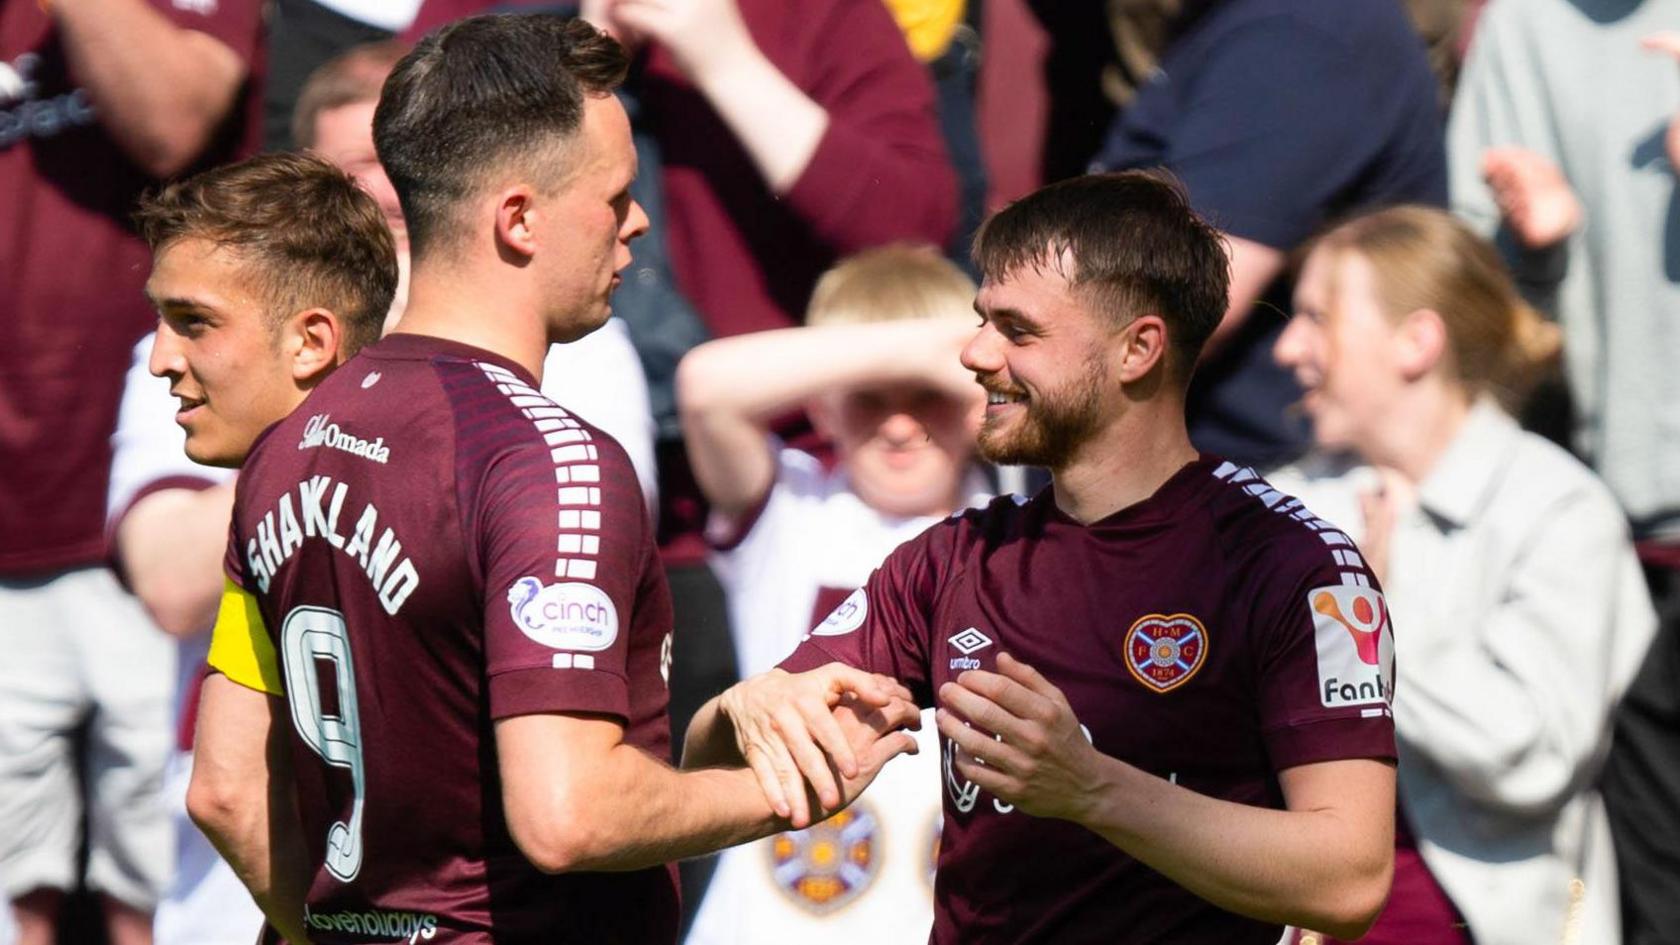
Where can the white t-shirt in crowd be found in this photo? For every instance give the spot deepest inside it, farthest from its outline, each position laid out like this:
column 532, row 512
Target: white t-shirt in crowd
column 865, row 876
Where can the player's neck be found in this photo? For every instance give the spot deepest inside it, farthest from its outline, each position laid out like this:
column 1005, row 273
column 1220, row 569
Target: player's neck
column 1122, row 465
column 490, row 314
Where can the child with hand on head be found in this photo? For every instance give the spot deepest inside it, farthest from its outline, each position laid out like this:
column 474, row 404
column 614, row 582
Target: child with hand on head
column 876, row 367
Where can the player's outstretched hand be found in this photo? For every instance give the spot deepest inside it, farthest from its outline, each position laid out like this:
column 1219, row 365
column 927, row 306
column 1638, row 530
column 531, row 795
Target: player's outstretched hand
column 876, row 736
column 1037, row 758
column 787, row 731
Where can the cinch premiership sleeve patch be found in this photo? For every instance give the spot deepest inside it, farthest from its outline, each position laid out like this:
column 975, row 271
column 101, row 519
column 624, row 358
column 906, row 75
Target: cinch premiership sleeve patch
column 565, row 546
column 240, row 648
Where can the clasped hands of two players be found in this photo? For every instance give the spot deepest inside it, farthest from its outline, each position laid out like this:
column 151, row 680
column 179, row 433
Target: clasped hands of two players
column 817, row 739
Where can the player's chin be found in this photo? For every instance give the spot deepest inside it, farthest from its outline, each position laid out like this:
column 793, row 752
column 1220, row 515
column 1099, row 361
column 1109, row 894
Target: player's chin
column 585, row 324
column 208, row 450
column 1004, row 445
column 603, row 311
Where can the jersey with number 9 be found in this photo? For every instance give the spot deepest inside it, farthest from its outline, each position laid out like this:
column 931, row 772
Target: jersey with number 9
column 428, row 545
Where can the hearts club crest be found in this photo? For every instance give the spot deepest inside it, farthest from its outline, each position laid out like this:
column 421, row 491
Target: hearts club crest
column 1164, row 651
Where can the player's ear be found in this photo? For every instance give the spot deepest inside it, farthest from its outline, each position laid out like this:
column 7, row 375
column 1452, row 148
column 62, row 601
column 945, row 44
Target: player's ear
column 1142, row 348
column 516, row 212
column 311, row 340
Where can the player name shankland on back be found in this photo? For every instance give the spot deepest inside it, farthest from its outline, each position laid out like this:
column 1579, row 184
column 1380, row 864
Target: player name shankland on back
column 284, row 528
column 321, row 431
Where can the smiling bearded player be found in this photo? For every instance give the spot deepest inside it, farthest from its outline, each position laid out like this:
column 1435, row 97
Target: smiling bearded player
column 1162, row 687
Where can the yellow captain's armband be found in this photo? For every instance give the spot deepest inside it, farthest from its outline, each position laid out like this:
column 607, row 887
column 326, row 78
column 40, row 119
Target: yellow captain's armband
column 240, row 648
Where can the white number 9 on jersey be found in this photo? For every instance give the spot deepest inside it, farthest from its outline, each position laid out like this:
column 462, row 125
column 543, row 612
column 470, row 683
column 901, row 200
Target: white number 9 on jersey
column 309, row 636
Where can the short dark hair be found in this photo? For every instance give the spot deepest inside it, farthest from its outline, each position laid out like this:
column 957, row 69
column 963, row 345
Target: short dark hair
column 312, row 237
column 1137, row 248
column 478, row 96
column 349, row 78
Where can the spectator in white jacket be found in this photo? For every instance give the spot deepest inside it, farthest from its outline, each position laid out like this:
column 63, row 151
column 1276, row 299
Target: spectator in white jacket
column 1520, row 613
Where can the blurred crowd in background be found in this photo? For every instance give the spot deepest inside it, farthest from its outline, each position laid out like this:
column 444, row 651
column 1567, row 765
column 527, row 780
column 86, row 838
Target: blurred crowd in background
column 1454, row 321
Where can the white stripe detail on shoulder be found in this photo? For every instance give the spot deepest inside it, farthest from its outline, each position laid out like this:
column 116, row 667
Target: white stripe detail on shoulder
column 1342, row 549
column 576, row 470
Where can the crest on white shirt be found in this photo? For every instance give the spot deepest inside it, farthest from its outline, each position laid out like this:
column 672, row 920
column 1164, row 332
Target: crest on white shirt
column 828, row 865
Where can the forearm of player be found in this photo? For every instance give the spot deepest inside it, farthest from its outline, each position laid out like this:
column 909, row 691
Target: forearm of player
column 1325, row 863
column 578, row 798
column 241, row 797
column 170, row 545
column 160, row 90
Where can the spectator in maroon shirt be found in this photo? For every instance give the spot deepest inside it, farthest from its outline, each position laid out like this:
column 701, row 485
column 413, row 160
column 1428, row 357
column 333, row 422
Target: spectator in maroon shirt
column 98, row 100
column 792, row 134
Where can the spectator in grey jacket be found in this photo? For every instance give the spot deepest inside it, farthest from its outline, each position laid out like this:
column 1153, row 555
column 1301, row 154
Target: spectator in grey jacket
column 1519, row 608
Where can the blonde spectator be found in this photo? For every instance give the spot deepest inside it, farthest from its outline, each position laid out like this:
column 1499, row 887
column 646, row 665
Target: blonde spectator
column 99, row 102
column 1519, row 608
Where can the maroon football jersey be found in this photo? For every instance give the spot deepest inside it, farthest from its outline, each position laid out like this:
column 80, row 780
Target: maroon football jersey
column 1213, row 634
column 436, row 545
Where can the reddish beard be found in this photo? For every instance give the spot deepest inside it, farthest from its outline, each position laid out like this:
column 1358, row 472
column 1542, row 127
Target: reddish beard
column 1054, row 424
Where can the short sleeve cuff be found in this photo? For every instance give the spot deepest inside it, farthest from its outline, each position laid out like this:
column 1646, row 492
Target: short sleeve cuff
column 1331, row 740
column 830, row 179
column 532, row 691
column 190, row 483
column 163, row 484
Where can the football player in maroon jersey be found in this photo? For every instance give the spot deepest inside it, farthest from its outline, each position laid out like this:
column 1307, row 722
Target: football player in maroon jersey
column 240, row 349
column 1163, row 687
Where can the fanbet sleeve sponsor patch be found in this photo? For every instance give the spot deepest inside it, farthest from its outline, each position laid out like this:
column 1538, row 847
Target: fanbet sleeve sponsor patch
column 1355, row 645
column 569, row 616
column 845, row 618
